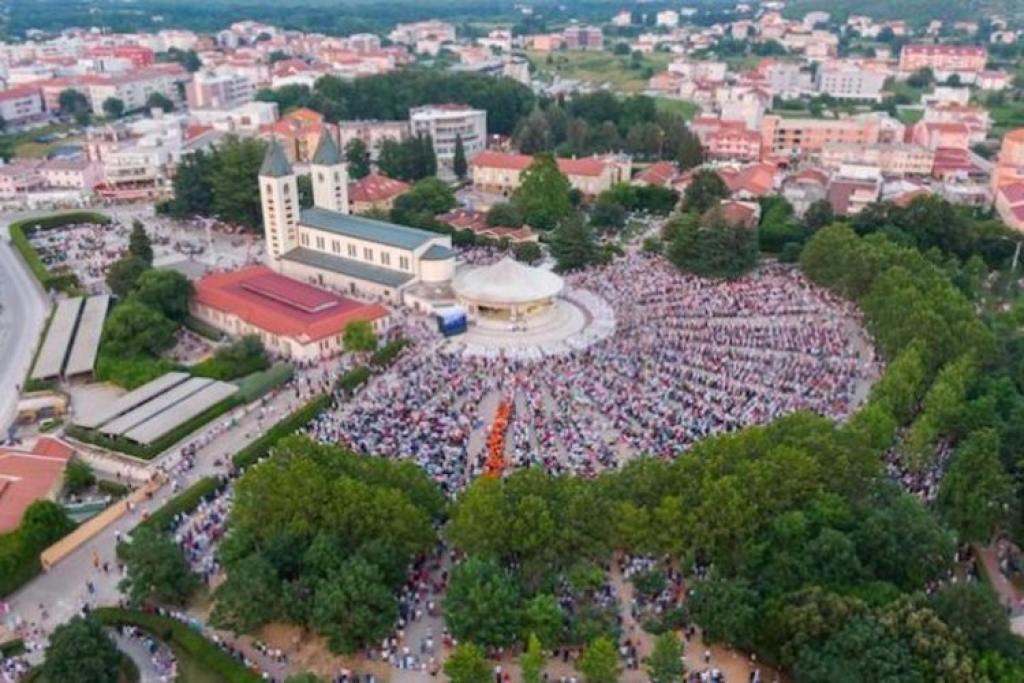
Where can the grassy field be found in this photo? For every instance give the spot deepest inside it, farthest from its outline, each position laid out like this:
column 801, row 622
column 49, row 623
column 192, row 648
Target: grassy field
column 601, row 67
column 682, row 108
column 24, row 143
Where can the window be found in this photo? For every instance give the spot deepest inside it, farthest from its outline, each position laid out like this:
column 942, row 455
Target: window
column 367, row 253
column 336, row 246
column 320, row 243
column 403, row 262
column 385, row 258
column 304, row 239
column 320, row 177
column 352, row 250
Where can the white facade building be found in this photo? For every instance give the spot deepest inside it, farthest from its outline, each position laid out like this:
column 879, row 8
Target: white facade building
column 444, row 123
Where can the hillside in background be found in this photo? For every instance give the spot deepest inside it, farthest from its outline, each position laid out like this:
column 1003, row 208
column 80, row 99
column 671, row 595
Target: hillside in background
column 913, row 11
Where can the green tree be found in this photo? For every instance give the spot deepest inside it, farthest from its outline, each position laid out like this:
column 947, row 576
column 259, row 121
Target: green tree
column 124, row 274
column 976, row 494
column 158, row 100
column 483, row 604
column 572, row 244
column 359, row 336
column 609, row 216
column 818, row 215
column 75, row 104
column 139, row 243
column 543, row 194
column 78, row 476
column 712, row 247
column 527, row 252
column 533, row 134
column 431, row 196
column 113, row 107
column 167, row 291
column 395, row 160
column 133, row 329
column 689, row 152
column 80, row 651
column 505, row 215
column 234, row 187
column 250, row 597
column 156, row 570
column 532, row 660
column 460, row 166
column 467, row 664
column 193, row 192
column 705, row 191
column 600, row 662
column 974, row 609
column 544, row 618
column 354, row 607
column 665, row 665
column 358, row 159
column 44, row 523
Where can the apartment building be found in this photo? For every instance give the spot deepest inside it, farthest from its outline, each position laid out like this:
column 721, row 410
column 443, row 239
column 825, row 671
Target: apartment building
column 805, row 137
column 373, row 133
column 500, row 173
column 849, row 83
column 891, row 159
column 941, row 135
column 445, row 123
column 411, row 34
column 578, row 37
column 214, row 89
column 137, row 56
column 967, row 61
column 21, row 105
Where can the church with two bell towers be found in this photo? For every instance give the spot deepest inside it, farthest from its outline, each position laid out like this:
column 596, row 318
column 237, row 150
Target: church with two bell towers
column 327, row 246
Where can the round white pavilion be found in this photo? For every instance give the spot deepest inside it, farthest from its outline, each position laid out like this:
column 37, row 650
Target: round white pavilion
column 507, row 291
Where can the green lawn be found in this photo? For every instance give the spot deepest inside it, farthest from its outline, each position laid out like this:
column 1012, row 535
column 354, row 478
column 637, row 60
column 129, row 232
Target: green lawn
column 601, row 67
column 683, row 108
column 25, row 145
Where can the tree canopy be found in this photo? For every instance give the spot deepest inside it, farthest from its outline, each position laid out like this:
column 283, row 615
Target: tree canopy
column 80, row 651
column 543, row 194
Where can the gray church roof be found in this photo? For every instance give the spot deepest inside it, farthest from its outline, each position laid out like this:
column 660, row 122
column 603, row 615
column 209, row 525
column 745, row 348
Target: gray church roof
column 327, row 152
column 350, row 267
column 366, row 229
column 275, row 163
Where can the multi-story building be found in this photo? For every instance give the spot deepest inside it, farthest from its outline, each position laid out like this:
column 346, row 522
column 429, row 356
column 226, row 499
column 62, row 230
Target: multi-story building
column 731, row 141
column 219, row 90
column 895, row 159
column 373, row 133
column 976, row 119
column 849, row 83
column 941, row 135
column 583, row 38
column 1009, row 166
column 135, row 87
column 138, row 57
column 410, row 34
column 21, row 105
column 246, row 119
column 445, row 123
column 500, row 173
column 966, row 61
column 805, row 137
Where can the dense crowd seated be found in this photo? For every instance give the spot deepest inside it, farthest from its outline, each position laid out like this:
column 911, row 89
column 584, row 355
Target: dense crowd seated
column 689, row 358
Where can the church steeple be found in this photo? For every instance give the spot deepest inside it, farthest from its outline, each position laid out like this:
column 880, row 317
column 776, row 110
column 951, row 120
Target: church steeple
column 329, row 175
column 279, row 198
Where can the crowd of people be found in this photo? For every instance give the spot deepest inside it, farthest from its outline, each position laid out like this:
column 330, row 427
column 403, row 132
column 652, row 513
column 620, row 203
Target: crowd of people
column 689, row 358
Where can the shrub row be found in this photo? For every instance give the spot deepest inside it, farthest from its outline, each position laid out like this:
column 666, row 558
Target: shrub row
column 297, row 420
column 185, row 641
column 386, row 354
column 12, row 648
column 253, row 386
column 123, row 445
column 131, row 373
column 352, row 379
column 112, row 488
column 22, row 230
column 185, row 502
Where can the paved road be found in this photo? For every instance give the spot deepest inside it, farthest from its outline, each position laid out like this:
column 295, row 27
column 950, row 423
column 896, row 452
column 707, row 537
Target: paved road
column 62, row 591
column 23, row 310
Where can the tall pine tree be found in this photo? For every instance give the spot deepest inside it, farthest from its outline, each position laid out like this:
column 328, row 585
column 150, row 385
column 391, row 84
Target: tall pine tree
column 459, row 164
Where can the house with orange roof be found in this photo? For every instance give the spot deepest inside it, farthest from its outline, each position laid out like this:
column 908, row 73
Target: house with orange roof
column 29, row 475
column 500, row 173
column 292, row 318
column 1009, row 204
column 476, row 222
column 660, row 174
column 375, row 192
column 299, row 132
column 747, row 182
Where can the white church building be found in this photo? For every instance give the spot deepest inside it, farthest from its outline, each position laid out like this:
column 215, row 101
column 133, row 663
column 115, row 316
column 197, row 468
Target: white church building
column 327, row 246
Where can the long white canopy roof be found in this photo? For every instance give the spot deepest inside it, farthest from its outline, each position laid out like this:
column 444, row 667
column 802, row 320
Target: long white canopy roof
column 506, row 282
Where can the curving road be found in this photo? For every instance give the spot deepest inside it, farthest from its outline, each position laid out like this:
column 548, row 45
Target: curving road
column 22, row 315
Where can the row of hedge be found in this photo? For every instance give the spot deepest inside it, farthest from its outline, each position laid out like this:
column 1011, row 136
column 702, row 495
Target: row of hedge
column 386, row 354
column 186, row 642
column 353, row 379
column 21, row 231
column 253, row 386
column 129, row 447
